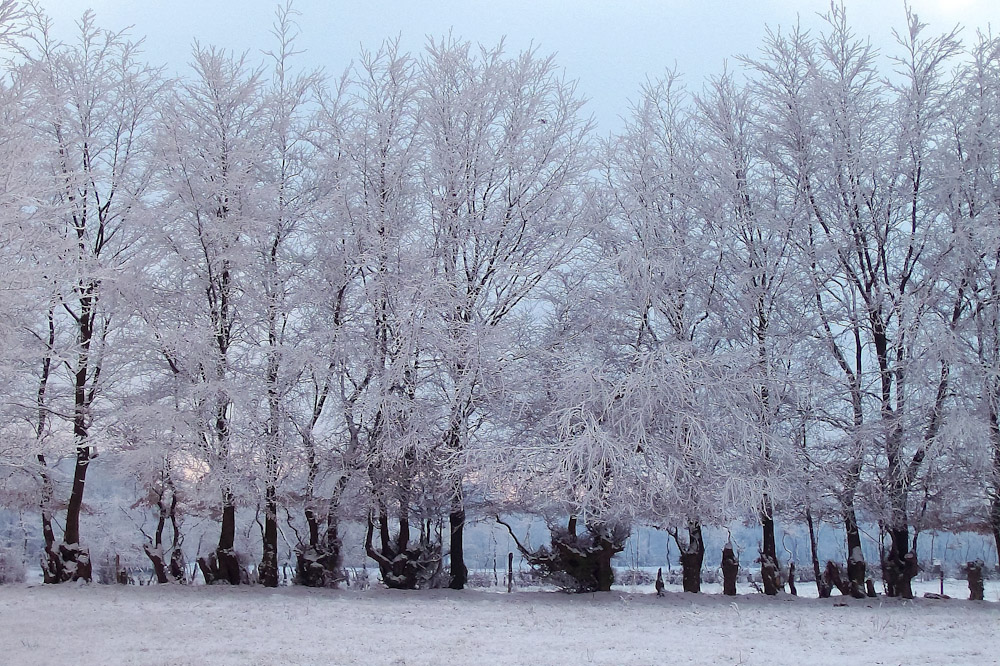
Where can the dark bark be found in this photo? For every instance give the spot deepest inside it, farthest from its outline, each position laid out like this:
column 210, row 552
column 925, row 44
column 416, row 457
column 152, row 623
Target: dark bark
column 223, row 566
column 832, row 578
column 166, row 570
column 974, row 574
column 995, row 489
column 577, row 562
column 692, row 556
column 822, row 589
column 404, row 565
column 268, row 568
column 791, row 579
column 456, row 521
column 730, row 570
column 900, row 564
column 154, row 551
column 857, row 569
column 83, row 394
column 510, row 572
column 769, row 569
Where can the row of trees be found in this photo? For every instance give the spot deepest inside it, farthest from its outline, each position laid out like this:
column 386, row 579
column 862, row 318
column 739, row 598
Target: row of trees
column 426, row 291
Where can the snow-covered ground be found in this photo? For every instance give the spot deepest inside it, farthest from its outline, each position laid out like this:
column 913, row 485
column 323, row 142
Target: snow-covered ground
column 175, row 625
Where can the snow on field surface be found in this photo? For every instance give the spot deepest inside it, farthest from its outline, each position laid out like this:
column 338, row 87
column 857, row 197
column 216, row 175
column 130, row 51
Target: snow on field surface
column 174, row 625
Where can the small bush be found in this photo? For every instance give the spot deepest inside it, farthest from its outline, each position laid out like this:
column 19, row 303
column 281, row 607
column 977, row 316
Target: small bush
column 636, row 577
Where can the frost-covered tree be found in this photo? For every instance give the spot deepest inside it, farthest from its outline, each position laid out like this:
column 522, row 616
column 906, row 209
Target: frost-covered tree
column 506, row 150
column 211, row 133
column 92, row 106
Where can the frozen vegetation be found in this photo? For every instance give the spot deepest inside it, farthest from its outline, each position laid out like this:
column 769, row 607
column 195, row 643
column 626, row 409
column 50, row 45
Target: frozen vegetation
column 260, row 324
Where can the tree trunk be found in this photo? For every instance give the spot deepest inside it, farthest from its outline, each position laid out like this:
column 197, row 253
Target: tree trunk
column 71, row 550
column 268, row 569
column 769, row 572
column 456, row 521
column 223, row 566
column 832, row 578
column 730, row 570
column 857, row 570
column 692, row 558
column 822, row 589
column 974, row 573
column 995, row 489
column 900, row 565
column 154, row 551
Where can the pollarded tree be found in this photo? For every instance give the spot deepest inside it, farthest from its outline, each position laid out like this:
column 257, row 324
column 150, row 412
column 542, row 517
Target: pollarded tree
column 613, row 433
column 91, row 124
column 506, row 151
column 211, row 130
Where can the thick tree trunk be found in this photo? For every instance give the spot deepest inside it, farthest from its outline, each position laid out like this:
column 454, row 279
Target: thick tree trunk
column 222, row 566
column 832, row 578
column 577, row 563
column 605, row 573
column 456, row 521
column 320, row 563
column 857, row 570
column 71, row 550
column 769, row 568
column 900, row 565
column 730, row 570
column 692, row 557
column 268, row 569
column 403, row 566
column 974, row 573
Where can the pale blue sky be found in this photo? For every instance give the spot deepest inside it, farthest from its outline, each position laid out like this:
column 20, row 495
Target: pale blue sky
column 610, row 47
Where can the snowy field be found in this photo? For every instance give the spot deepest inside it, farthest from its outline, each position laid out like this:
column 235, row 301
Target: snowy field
column 175, row 625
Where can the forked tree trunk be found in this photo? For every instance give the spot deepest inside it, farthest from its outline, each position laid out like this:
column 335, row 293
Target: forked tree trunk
column 900, row 564
column 577, row 563
column 320, row 562
column 222, row 566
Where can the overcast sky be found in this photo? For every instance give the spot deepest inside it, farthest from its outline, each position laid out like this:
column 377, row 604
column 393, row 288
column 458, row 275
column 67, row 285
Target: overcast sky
column 610, row 47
